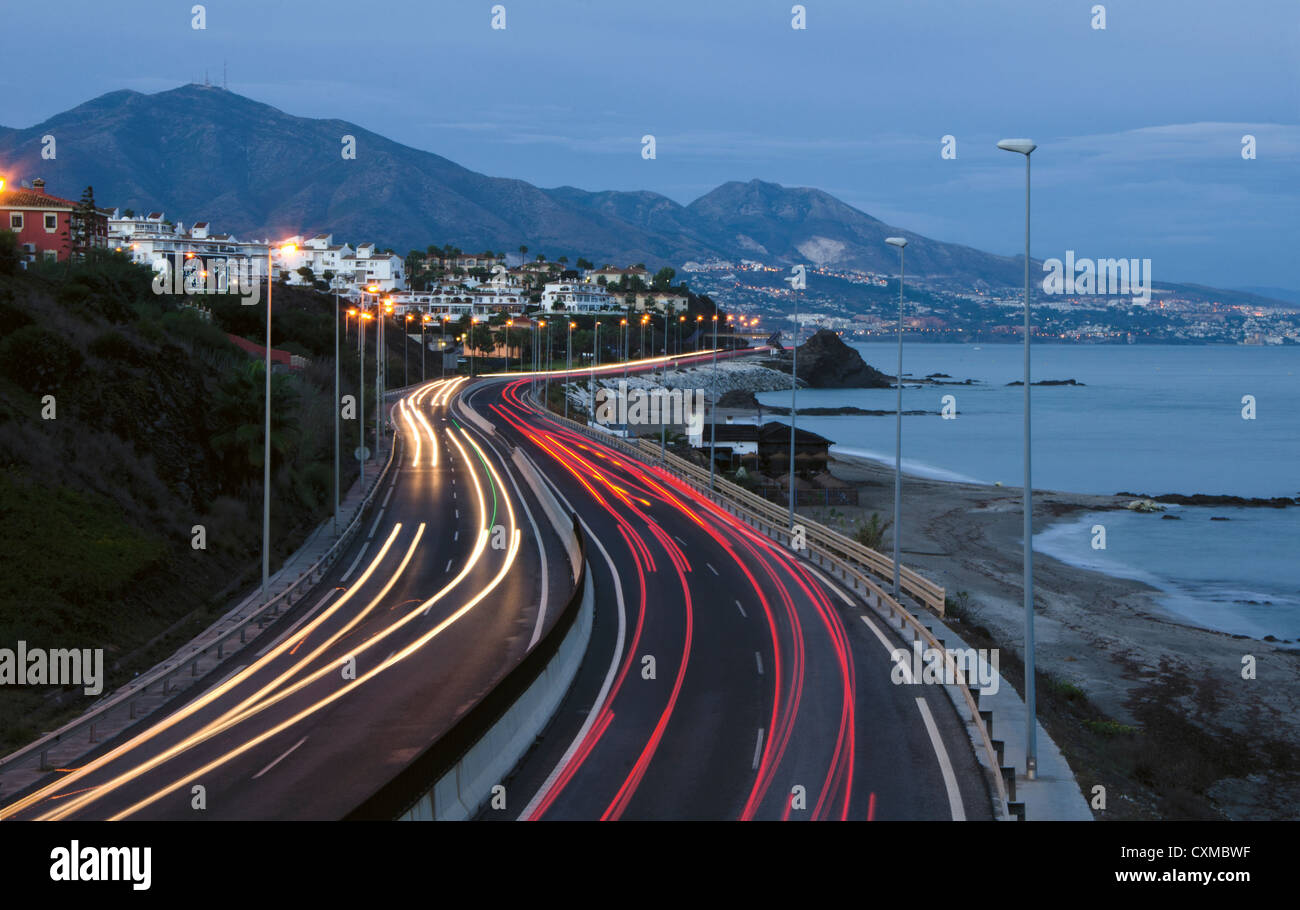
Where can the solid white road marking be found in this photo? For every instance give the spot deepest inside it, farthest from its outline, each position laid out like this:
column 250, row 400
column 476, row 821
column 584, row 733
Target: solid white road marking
column 280, row 759
column 758, row 749
column 352, row 568
column 949, row 779
column 301, row 619
column 609, row 673
column 830, row 584
column 227, row 677
column 940, row 751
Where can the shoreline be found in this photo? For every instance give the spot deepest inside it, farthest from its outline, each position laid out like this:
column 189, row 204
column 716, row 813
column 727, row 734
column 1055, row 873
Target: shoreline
column 1108, row 636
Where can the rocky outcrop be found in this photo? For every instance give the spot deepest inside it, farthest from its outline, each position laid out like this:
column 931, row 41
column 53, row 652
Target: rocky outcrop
column 826, row 362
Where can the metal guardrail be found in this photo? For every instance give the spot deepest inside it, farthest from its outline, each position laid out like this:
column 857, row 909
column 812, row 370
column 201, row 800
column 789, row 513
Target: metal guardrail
column 919, row 588
column 759, row 514
column 164, row 672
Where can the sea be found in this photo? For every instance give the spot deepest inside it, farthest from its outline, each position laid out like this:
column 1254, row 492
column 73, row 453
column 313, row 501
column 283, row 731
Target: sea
column 1146, row 419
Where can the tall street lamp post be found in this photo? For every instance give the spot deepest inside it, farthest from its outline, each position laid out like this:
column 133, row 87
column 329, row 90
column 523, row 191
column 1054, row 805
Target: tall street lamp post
column 713, row 403
column 285, row 249
column 901, row 243
column 1026, row 147
column 568, row 366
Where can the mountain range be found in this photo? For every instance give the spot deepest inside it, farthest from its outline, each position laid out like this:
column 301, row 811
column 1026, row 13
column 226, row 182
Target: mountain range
column 202, row 153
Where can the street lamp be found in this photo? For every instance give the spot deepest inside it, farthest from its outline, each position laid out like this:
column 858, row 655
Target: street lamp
column 794, row 392
column 624, row 324
column 568, row 365
column 699, row 336
column 335, row 281
column 381, row 368
column 442, row 373
column 591, row 375
column 285, row 250
column 424, row 346
column 546, row 383
column 406, row 345
column 1026, row 147
column 361, row 396
column 472, row 322
column 901, row 243
column 713, row 402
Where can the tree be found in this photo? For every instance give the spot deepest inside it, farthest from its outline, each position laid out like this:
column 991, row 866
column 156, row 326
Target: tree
column 10, row 256
column 585, row 263
column 664, row 278
column 523, row 254
column 308, row 276
column 81, row 226
column 239, row 417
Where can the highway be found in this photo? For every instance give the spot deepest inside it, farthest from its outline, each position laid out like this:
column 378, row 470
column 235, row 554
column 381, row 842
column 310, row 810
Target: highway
column 770, row 697
column 406, row 633
column 726, row 678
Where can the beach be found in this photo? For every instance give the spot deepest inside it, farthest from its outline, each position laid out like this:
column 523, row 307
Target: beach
column 1140, row 665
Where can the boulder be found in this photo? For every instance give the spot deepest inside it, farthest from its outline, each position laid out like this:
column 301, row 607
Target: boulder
column 826, row 362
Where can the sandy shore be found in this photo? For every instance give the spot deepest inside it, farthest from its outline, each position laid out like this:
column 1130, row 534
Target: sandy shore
column 1181, row 685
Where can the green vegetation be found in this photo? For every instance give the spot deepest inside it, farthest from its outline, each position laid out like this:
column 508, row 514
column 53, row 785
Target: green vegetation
column 871, row 533
column 157, row 427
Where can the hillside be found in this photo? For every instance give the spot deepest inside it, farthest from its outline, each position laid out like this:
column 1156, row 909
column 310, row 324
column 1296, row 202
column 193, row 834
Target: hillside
column 156, row 428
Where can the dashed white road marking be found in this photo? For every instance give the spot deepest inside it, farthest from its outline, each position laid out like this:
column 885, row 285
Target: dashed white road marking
column 742, row 610
column 758, row 749
column 280, row 759
column 711, row 569
column 758, row 659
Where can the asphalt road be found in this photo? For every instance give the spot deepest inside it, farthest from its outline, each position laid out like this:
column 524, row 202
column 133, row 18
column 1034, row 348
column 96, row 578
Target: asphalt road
column 770, row 698
column 412, row 626
column 726, row 678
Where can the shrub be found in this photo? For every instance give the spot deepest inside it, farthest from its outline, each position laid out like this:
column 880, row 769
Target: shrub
column 115, row 346
column 872, row 534
column 39, row 361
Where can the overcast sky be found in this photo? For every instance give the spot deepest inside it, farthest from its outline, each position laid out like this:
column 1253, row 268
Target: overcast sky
column 1139, row 126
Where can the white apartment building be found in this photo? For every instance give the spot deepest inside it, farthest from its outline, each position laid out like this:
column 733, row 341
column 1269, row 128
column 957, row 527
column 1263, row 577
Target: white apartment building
column 365, row 268
column 152, row 240
column 320, row 254
column 578, row 297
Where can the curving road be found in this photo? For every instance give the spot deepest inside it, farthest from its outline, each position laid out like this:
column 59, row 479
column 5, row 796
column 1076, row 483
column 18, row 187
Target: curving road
column 726, row 678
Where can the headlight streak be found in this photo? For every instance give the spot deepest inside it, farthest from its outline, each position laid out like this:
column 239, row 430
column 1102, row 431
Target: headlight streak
column 210, row 696
column 331, row 698
column 250, row 705
column 387, row 663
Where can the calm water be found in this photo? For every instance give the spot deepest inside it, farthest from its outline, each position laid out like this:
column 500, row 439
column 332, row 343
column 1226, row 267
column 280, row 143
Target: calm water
column 1150, row 419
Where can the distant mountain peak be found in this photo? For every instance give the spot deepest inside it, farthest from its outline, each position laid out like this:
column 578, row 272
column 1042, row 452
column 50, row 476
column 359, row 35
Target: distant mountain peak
column 200, row 152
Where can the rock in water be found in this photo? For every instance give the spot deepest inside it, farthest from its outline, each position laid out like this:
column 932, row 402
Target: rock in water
column 826, row 362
